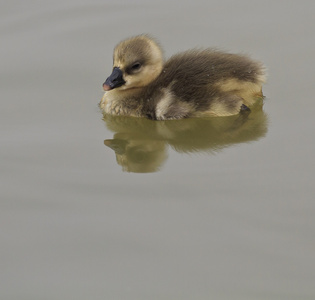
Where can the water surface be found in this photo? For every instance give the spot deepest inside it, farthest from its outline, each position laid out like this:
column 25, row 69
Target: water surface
column 115, row 208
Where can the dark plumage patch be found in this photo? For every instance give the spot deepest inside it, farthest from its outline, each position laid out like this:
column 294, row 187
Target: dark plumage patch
column 193, row 76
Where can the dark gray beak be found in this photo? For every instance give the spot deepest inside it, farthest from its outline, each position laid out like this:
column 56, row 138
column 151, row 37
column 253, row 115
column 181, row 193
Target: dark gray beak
column 114, row 80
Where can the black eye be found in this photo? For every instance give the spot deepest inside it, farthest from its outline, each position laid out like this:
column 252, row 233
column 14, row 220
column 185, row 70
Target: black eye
column 136, row 66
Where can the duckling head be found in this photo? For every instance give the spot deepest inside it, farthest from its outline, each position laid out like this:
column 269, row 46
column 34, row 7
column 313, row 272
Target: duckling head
column 137, row 61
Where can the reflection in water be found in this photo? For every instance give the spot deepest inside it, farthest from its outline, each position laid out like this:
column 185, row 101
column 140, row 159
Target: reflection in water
column 140, row 144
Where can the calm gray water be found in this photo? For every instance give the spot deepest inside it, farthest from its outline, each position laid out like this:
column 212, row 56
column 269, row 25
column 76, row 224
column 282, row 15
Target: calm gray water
column 194, row 209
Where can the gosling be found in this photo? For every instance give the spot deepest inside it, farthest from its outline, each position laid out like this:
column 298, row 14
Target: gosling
column 194, row 83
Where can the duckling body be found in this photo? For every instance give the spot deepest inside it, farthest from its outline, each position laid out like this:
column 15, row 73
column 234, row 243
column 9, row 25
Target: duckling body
column 194, row 83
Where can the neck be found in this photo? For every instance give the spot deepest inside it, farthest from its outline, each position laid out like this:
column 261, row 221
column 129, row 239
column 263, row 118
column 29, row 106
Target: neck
column 122, row 102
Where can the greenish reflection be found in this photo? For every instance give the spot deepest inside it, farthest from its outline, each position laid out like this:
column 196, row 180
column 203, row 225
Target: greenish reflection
column 140, row 144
